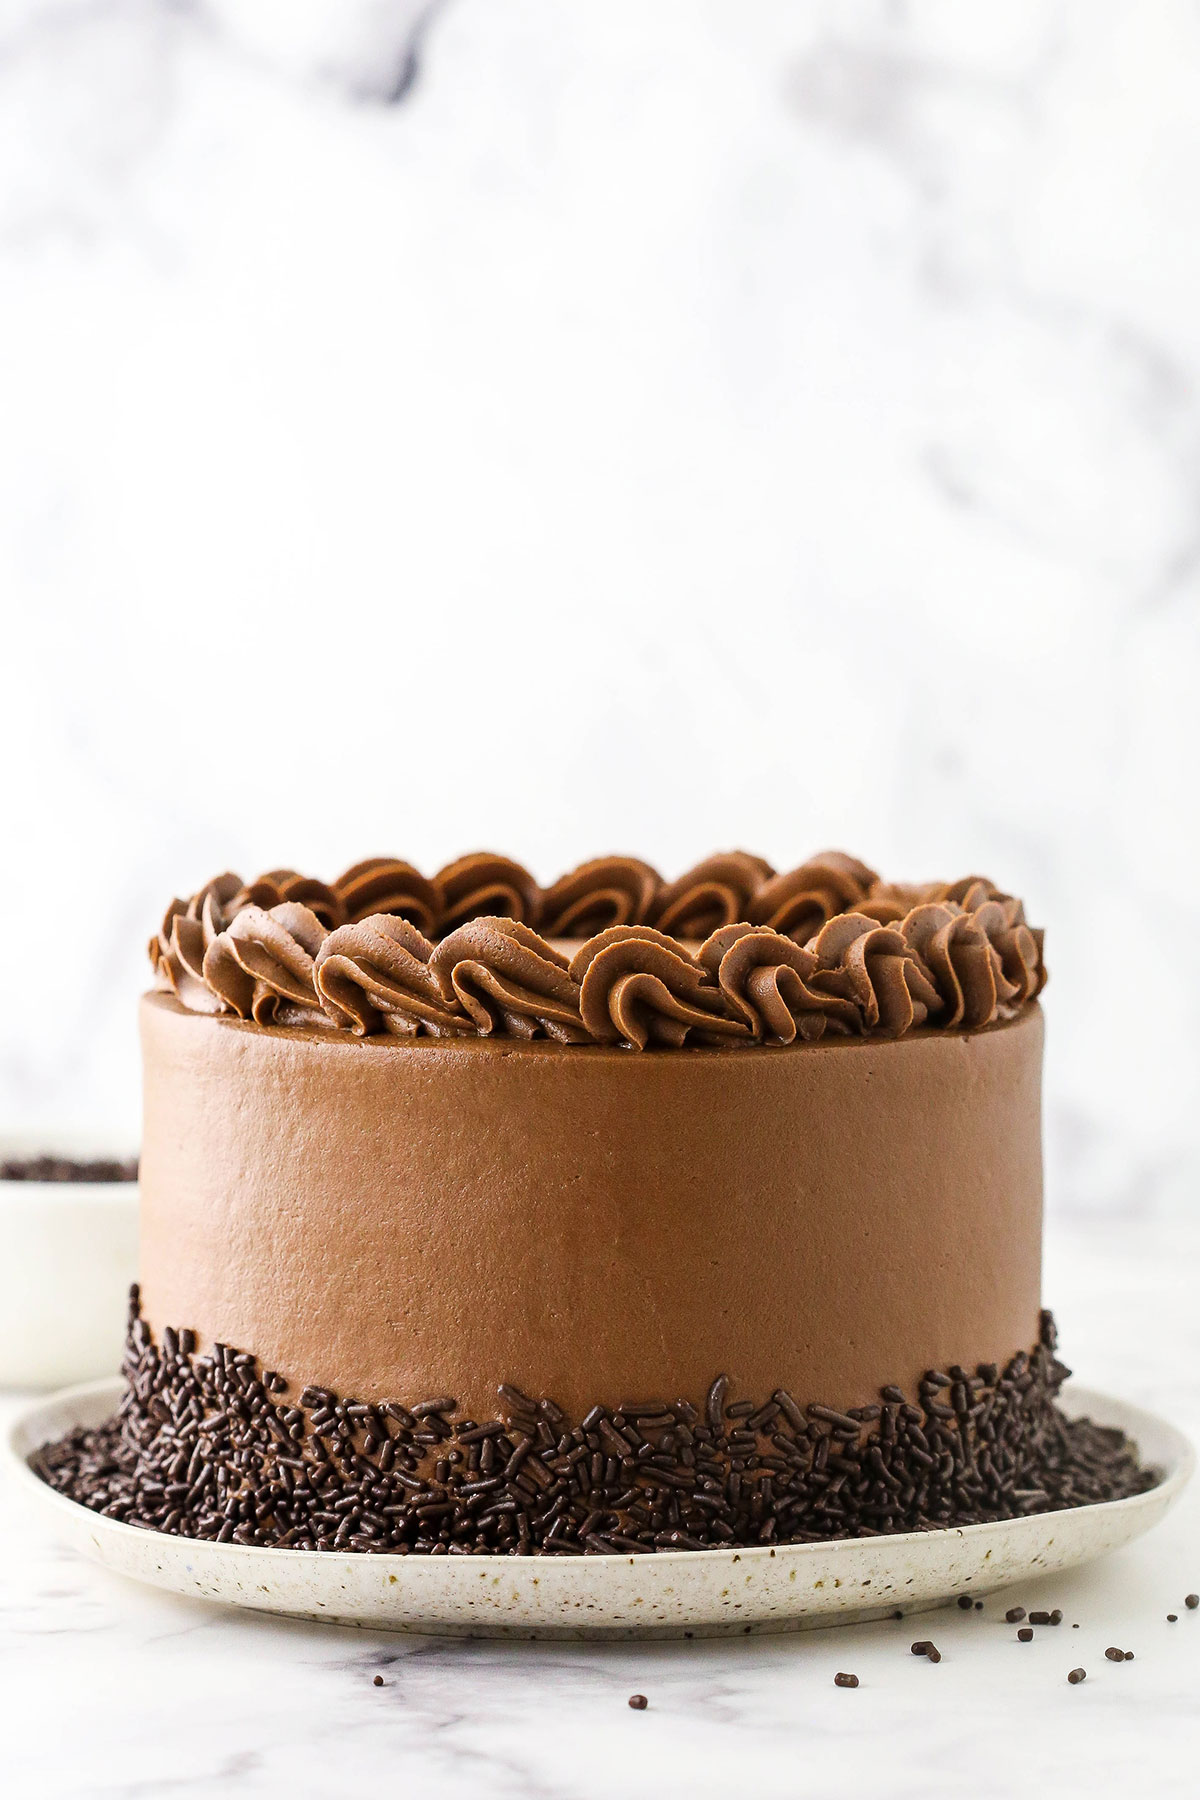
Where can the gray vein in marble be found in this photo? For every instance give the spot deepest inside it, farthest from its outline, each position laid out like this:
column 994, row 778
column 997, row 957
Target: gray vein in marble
column 874, row 89
column 102, row 81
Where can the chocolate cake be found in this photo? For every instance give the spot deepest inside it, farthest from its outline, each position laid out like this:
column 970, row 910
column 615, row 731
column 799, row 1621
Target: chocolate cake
column 620, row 1215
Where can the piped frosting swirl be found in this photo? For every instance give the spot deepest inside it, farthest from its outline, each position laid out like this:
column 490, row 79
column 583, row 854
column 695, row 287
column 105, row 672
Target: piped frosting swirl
column 611, row 890
column 639, row 987
column 484, row 885
column 384, row 885
column 507, row 978
column 718, row 891
column 801, row 901
column 730, row 953
column 262, row 965
column 374, row 976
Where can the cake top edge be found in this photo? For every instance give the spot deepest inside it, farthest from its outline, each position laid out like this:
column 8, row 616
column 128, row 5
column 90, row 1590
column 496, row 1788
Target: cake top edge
column 731, row 952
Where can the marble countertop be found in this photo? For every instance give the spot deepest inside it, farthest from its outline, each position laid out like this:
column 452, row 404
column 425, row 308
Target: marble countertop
column 113, row 1690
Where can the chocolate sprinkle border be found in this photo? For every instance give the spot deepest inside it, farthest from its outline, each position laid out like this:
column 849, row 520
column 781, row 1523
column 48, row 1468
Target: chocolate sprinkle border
column 205, row 1446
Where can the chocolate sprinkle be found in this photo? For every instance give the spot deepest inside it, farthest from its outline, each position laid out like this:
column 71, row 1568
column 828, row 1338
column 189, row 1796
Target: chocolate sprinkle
column 209, row 1446
column 1191, row 1601
column 1114, row 1655
column 1014, row 1615
column 638, row 1702
column 69, row 1168
column 1076, row 1676
column 1025, row 1635
column 845, row 1681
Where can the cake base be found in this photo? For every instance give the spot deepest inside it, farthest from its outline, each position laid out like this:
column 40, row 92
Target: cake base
column 205, row 1447
column 724, row 1593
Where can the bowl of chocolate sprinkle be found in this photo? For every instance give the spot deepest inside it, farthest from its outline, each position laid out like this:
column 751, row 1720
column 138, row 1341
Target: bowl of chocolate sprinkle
column 68, row 1254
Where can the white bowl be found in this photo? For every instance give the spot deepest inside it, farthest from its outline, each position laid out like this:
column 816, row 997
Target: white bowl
column 68, row 1253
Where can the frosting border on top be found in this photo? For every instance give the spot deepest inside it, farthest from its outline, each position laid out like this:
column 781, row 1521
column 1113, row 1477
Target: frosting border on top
column 730, row 953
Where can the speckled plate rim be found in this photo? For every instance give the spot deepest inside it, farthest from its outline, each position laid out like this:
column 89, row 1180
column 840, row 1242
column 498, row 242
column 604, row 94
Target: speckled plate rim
column 713, row 1593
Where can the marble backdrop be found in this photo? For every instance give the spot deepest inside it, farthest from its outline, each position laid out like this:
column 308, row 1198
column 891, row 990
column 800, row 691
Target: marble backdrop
column 572, row 428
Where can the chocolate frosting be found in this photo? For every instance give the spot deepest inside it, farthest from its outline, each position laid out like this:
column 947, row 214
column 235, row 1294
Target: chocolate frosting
column 612, row 890
column 483, row 885
column 873, row 967
column 799, row 903
column 716, row 892
column 188, row 929
column 396, row 1220
column 375, row 976
column 730, row 953
column 507, row 978
column 767, row 981
column 384, row 885
column 280, row 885
column 261, row 966
column 1018, row 946
column 639, row 987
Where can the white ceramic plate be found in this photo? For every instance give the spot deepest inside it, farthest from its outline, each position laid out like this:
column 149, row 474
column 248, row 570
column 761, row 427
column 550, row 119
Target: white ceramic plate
column 709, row 1593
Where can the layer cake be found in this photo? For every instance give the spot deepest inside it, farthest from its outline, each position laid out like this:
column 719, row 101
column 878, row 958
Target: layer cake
column 616, row 1216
